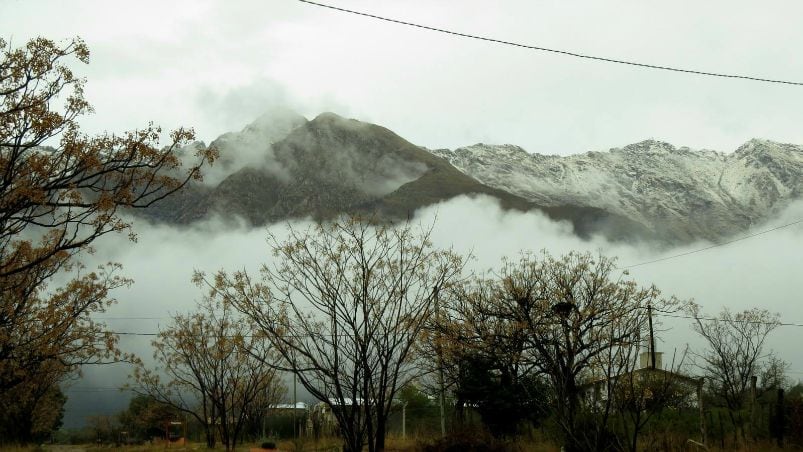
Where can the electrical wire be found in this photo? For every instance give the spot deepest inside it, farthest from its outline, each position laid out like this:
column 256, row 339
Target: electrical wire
column 717, row 319
column 716, row 245
column 657, row 313
column 556, row 51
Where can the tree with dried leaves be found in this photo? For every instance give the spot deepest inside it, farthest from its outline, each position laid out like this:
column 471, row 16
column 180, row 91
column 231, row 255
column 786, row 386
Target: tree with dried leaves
column 59, row 191
column 211, row 366
column 31, row 411
column 734, row 354
column 570, row 319
column 343, row 304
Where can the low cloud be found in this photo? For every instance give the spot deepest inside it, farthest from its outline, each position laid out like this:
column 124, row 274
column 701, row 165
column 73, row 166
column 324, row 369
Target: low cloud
column 762, row 271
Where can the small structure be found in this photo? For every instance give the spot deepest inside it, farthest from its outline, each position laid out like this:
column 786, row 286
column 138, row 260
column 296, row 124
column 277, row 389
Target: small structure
column 683, row 390
column 285, row 420
column 175, row 433
column 650, row 376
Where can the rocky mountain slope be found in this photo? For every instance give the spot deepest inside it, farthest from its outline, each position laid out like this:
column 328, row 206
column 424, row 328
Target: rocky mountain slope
column 331, row 165
column 678, row 193
column 283, row 166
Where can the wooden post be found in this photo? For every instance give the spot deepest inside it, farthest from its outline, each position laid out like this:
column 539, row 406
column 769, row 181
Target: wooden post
column 702, row 409
column 780, row 418
column 652, row 338
column 295, row 405
column 442, row 398
column 753, row 380
column 404, row 420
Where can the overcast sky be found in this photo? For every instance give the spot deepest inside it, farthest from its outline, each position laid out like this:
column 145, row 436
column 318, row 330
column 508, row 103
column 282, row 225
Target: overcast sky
column 217, row 65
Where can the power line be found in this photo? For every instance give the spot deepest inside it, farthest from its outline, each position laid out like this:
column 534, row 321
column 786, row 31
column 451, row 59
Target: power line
column 716, row 245
column 94, row 390
column 557, row 51
column 657, row 313
column 130, row 318
column 717, row 319
column 230, row 336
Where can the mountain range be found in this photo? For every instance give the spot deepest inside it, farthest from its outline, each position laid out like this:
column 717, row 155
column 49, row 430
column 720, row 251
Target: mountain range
column 283, row 166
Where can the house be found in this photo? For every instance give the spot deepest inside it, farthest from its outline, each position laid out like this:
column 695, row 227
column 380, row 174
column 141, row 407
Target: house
column 645, row 384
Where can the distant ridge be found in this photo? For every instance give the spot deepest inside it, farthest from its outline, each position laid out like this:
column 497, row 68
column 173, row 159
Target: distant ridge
column 331, row 165
column 283, row 167
column 680, row 194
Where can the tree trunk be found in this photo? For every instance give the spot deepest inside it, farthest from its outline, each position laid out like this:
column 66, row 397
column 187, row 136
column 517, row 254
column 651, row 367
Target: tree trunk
column 380, row 434
column 351, row 443
column 210, row 438
column 572, row 443
column 347, row 447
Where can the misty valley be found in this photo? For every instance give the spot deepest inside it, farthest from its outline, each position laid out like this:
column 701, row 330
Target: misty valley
column 362, row 244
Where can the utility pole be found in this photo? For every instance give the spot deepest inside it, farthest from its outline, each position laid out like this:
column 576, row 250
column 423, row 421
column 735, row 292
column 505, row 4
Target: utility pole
column 404, row 420
column 652, row 337
column 295, row 405
column 264, row 415
column 700, row 383
column 753, row 381
column 780, row 420
column 442, row 398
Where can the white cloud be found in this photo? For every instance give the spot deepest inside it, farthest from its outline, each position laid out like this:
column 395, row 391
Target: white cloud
column 762, row 271
column 213, row 64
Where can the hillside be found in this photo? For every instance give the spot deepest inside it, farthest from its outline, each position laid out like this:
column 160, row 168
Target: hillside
column 680, row 193
column 331, row 165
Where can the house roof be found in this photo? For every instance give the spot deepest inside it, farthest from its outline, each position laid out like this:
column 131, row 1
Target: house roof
column 675, row 375
column 290, row 406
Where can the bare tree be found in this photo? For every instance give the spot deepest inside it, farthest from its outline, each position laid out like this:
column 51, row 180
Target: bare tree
column 344, row 304
column 211, row 366
column 569, row 319
column 734, row 354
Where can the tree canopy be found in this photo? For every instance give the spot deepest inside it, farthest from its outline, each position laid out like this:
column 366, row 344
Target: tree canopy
column 344, row 305
column 60, row 190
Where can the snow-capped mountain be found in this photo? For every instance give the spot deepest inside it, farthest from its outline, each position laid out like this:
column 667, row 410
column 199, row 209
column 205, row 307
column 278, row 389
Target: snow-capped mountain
column 284, row 166
column 331, row 165
column 679, row 193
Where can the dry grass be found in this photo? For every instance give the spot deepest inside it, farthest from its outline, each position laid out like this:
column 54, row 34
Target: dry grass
column 394, row 444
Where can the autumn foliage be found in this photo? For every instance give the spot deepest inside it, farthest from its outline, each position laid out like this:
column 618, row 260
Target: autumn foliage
column 59, row 191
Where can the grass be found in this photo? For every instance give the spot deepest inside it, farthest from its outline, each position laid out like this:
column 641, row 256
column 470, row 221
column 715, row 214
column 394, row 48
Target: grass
column 393, row 444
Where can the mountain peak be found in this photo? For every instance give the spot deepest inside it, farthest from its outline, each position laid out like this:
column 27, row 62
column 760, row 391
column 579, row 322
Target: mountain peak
column 762, row 143
column 276, row 118
column 327, row 116
column 650, row 146
column 282, row 166
column 333, row 118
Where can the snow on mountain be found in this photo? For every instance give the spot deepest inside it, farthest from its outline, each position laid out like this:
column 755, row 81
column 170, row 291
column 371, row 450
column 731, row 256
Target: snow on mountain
column 681, row 194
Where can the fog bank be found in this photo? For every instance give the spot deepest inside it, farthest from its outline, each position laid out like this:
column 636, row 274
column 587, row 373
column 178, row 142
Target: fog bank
column 763, row 271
